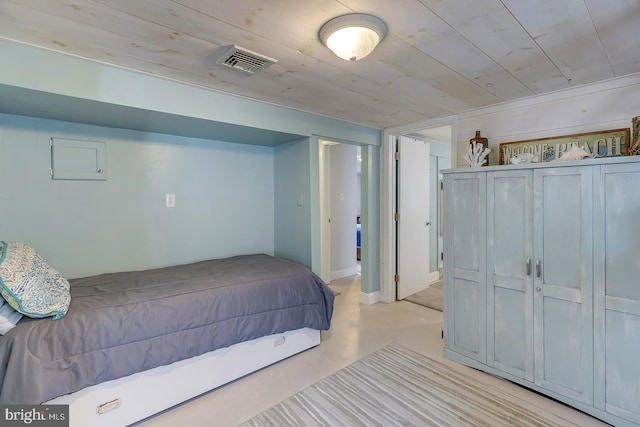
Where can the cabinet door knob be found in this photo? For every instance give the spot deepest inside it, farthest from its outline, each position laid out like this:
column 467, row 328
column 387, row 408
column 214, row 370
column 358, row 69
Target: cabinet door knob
column 528, row 266
column 538, row 288
column 537, row 267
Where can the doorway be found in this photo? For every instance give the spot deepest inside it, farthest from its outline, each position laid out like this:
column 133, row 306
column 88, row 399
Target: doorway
column 341, row 195
column 440, row 135
column 440, row 140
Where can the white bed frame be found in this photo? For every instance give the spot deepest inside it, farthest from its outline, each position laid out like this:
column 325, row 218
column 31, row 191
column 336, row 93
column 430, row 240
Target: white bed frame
column 117, row 402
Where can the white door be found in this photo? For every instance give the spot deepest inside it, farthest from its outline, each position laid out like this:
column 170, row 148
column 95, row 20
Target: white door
column 413, row 225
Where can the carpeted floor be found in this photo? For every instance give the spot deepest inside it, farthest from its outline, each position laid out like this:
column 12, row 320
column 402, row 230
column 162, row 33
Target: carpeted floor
column 395, row 386
column 430, row 297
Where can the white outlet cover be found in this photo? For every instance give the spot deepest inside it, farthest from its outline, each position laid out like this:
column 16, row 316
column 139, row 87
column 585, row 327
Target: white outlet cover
column 170, row 200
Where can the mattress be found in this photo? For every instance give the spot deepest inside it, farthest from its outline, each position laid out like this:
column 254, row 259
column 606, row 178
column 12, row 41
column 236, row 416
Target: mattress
column 122, row 323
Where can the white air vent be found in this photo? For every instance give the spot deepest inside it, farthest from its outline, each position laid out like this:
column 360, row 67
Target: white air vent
column 245, row 60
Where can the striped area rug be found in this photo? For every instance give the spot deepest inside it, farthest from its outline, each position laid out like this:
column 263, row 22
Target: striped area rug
column 395, row 386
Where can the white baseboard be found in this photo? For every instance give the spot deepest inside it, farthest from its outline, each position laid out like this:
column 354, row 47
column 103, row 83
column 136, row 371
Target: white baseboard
column 370, row 298
column 352, row 271
column 434, row 276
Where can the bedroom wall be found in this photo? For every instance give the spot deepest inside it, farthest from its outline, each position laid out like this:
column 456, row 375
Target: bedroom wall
column 79, row 79
column 82, row 91
column 224, row 198
column 293, row 202
column 599, row 106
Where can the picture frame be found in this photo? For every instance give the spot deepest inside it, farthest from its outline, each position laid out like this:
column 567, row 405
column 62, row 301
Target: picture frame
column 604, row 143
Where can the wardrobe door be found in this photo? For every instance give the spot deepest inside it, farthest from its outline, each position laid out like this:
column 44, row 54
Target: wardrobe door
column 464, row 264
column 617, row 291
column 563, row 280
column 509, row 272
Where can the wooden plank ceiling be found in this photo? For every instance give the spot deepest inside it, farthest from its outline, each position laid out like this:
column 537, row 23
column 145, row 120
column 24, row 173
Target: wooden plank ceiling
column 439, row 57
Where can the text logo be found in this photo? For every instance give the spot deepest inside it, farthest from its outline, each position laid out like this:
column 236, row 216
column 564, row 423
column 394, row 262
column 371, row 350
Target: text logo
column 34, row 415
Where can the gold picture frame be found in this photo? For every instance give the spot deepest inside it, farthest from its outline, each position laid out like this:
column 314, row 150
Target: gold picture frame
column 604, row 143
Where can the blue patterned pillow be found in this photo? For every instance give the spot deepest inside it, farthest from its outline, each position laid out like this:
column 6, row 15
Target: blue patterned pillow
column 30, row 285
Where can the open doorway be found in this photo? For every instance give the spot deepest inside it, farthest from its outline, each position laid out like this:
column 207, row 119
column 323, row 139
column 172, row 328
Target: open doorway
column 341, row 195
column 439, row 140
column 440, row 136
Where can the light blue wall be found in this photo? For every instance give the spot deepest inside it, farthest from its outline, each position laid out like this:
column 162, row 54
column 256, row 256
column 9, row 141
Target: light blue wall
column 231, row 198
column 370, row 218
column 293, row 202
column 224, row 196
column 439, row 149
column 85, row 88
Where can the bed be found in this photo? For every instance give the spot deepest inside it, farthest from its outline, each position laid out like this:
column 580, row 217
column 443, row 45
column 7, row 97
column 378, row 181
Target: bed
column 167, row 334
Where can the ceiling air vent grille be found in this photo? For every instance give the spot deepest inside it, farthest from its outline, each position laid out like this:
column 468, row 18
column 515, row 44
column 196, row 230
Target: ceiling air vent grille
column 245, row 60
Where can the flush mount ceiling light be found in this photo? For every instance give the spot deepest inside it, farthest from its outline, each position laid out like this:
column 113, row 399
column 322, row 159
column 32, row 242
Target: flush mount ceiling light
column 354, row 36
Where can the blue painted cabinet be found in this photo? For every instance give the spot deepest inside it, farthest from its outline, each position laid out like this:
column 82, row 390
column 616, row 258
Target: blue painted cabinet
column 539, row 279
column 556, row 305
column 617, row 290
column 509, row 272
column 563, row 281
column 465, row 216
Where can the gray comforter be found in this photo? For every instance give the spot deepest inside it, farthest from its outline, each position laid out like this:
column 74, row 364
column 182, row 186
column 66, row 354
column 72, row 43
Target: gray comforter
column 122, row 323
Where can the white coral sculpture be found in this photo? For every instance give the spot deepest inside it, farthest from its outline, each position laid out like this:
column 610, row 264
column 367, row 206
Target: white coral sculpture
column 477, row 155
column 634, row 149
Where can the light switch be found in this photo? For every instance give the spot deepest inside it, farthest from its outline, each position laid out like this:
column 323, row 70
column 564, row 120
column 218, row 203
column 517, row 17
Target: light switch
column 342, row 197
column 301, row 199
column 171, row 200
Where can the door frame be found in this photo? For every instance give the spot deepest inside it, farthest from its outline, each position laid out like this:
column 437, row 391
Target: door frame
column 325, row 210
column 388, row 196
